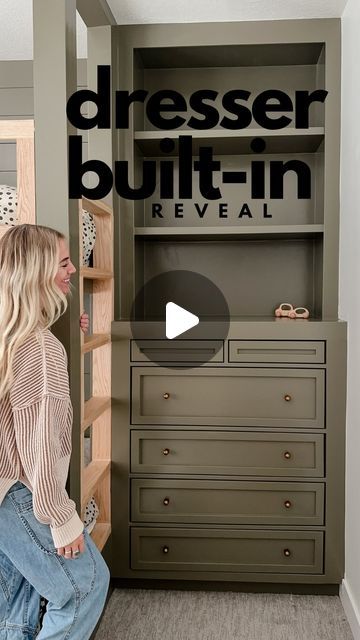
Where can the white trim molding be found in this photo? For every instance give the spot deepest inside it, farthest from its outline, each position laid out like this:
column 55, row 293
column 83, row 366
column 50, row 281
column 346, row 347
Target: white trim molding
column 350, row 607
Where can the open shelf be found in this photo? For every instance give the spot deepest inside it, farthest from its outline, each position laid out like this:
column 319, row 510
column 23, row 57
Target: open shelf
column 230, row 55
column 232, row 233
column 225, row 142
column 93, row 474
column 93, row 409
column 95, row 341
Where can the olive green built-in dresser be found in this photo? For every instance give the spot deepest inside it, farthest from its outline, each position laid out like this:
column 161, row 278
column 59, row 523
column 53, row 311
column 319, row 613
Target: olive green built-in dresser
column 232, row 470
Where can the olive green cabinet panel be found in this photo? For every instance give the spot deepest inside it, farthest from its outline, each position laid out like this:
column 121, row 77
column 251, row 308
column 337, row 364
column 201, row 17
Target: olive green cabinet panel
column 227, row 453
column 237, row 551
column 283, row 351
column 204, row 501
column 229, row 450
column 229, row 396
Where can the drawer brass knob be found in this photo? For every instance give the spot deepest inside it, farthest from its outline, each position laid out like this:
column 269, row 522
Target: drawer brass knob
column 166, row 396
column 287, row 504
column 287, row 455
column 165, row 549
column 166, row 452
column 166, row 501
column 287, row 398
column 287, row 553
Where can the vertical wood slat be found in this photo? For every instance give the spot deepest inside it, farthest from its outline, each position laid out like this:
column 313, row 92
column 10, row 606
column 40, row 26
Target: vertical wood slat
column 25, row 163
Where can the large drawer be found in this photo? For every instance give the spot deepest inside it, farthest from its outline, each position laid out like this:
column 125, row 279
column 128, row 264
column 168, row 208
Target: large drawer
column 228, row 396
column 227, row 453
column 227, row 551
column 177, row 350
column 283, row 351
column 227, row 502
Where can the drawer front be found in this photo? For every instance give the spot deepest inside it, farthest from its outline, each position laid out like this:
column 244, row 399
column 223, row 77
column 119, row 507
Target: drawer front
column 228, row 396
column 177, row 350
column 226, row 502
column 284, row 351
column 227, row 453
column 227, row 551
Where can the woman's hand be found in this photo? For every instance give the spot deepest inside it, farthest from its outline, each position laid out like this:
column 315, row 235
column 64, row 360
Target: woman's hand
column 84, row 322
column 73, row 550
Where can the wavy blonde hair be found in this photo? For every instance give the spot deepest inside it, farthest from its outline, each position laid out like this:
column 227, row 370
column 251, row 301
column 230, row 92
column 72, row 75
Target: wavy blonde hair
column 29, row 298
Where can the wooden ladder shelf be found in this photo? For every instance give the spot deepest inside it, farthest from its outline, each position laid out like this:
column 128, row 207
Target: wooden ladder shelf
column 96, row 411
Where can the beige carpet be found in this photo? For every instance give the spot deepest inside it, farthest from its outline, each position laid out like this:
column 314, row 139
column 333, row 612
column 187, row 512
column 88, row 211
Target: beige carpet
column 199, row 615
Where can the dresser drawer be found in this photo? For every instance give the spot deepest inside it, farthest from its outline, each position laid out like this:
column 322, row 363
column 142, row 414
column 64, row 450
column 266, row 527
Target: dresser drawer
column 228, row 396
column 227, row 453
column 177, row 350
column 283, row 351
column 227, row 551
column 227, row 502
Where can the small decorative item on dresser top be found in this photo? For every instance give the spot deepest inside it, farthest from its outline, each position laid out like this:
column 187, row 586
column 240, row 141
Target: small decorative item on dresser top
column 286, row 310
column 299, row 312
column 283, row 310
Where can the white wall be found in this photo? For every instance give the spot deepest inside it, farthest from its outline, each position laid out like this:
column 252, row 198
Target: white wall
column 350, row 296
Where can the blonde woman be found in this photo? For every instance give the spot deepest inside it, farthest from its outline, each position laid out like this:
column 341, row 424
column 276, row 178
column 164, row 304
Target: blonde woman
column 44, row 548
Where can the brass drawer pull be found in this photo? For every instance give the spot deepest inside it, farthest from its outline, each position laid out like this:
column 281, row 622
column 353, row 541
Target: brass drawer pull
column 287, row 398
column 166, row 501
column 287, row 553
column 165, row 549
column 287, row 455
column 166, row 452
column 166, row 396
column 287, row 504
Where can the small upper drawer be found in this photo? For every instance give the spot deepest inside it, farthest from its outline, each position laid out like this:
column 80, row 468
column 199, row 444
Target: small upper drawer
column 177, row 350
column 285, row 351
column 232, row 396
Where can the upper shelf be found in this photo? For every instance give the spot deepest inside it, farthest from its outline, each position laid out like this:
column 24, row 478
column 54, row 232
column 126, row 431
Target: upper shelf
column 230, row 55
column 298, row 231
column 289, row 140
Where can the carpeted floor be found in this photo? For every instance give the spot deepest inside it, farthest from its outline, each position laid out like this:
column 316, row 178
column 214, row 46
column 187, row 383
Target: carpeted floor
column 198, row 615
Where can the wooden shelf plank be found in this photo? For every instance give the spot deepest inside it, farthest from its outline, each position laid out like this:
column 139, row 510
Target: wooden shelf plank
column 95, row 341
column 14, row 129
column 93, row 273
column 92, row 475
column 100, row 534
column 231, row 233
column 94, row 408
column 226, row 142
column 97, row 207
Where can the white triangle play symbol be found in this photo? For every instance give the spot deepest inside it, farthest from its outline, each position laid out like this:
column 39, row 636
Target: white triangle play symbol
column 178, row 320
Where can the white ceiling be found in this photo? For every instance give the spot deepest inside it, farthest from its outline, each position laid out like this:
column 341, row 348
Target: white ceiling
column 16, row 17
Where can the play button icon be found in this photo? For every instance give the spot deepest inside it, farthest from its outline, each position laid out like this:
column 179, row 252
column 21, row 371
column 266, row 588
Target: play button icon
column 178, row 320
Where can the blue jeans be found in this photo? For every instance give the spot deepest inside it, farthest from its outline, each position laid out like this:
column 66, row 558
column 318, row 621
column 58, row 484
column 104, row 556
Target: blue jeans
column 30, row 567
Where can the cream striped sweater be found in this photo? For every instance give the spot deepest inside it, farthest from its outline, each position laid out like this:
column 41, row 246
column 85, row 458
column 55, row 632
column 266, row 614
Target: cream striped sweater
column 35, row 434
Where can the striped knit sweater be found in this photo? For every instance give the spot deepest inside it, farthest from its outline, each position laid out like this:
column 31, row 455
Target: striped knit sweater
column 35, row 434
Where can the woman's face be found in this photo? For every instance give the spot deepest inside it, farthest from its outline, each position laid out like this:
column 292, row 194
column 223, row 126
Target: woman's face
column 66, row 268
